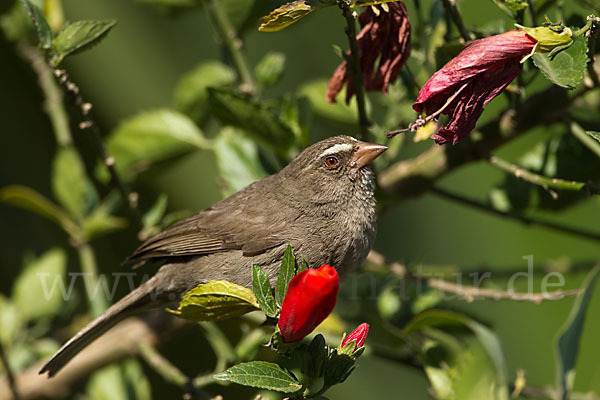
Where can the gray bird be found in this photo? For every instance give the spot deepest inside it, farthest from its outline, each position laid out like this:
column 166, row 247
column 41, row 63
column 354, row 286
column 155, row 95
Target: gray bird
column 322, row 203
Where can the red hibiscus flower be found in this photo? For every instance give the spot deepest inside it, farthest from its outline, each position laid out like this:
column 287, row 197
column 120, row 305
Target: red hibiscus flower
column 471, row 80
column 309, row 300
column 385, row 35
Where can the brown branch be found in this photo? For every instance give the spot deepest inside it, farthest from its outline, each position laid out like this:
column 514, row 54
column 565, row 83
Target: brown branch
column 470, row 293
column 120, row 342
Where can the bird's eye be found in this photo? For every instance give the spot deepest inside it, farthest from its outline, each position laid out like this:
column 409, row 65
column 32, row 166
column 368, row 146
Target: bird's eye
column 331, row 162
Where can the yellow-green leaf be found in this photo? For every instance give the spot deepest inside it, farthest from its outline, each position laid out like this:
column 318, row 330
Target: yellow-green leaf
column 36, row 291
column 78, row 36
column 364, row 3
column 31, row 200
column 286, row 15
column 216, row 300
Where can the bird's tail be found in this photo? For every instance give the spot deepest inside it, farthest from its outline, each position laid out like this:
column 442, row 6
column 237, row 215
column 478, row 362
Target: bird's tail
column 144, row 297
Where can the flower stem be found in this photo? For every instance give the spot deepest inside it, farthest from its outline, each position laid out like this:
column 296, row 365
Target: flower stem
column 87, row 259
column 516, row 216
column 452, row 10
column 354, row 64
column 234, row 45
column 543, row 181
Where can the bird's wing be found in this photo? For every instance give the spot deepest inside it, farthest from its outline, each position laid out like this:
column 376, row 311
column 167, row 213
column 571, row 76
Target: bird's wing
column 228, row 225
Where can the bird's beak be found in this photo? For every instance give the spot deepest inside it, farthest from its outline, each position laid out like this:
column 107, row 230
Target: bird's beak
column 365, row 153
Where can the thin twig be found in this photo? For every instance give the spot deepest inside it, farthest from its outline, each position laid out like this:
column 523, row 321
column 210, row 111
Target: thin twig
column 354, row 66
column 470, row 293
column 516, row 216
column 88, row 124
column 53, row 95
column 9, row 375
column 170, row 373
column 452, row 10
column 584, row 138
column 547, row 183
column 234, row 45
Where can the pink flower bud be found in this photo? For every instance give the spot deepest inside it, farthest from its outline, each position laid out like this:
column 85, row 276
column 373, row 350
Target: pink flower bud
column 359, row 335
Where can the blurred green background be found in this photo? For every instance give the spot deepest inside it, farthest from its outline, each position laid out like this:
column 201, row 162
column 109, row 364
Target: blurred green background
column 137, row 67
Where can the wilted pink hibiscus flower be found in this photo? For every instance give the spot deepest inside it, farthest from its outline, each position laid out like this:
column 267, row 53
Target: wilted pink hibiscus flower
column 471, row 80
column 385, row 35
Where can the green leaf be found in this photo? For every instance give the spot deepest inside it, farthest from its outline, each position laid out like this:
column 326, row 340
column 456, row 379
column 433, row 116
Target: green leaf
column 262, row 290
column 270, row 69
column 569, row 335
column 11, row 322
column 153, row 216
column 237, row 159
column 286, row 273
column 516, row 5
column 263, row 375
column 487, row 339
column 70, row 183
column 79, row 36
column 258, row 119
column 567, row 68
column 595, row 135
column 339, row 111
column 216, row 300
column 36, row 291
column 31, row 200
column 125, row 381
column 153, row 136
column 364, row 3
column 286, row 15
column 42, row 28
column 191, row 96
column 100, row 223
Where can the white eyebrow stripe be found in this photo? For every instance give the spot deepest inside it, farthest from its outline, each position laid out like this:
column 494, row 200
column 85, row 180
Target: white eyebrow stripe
column 337, row 148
